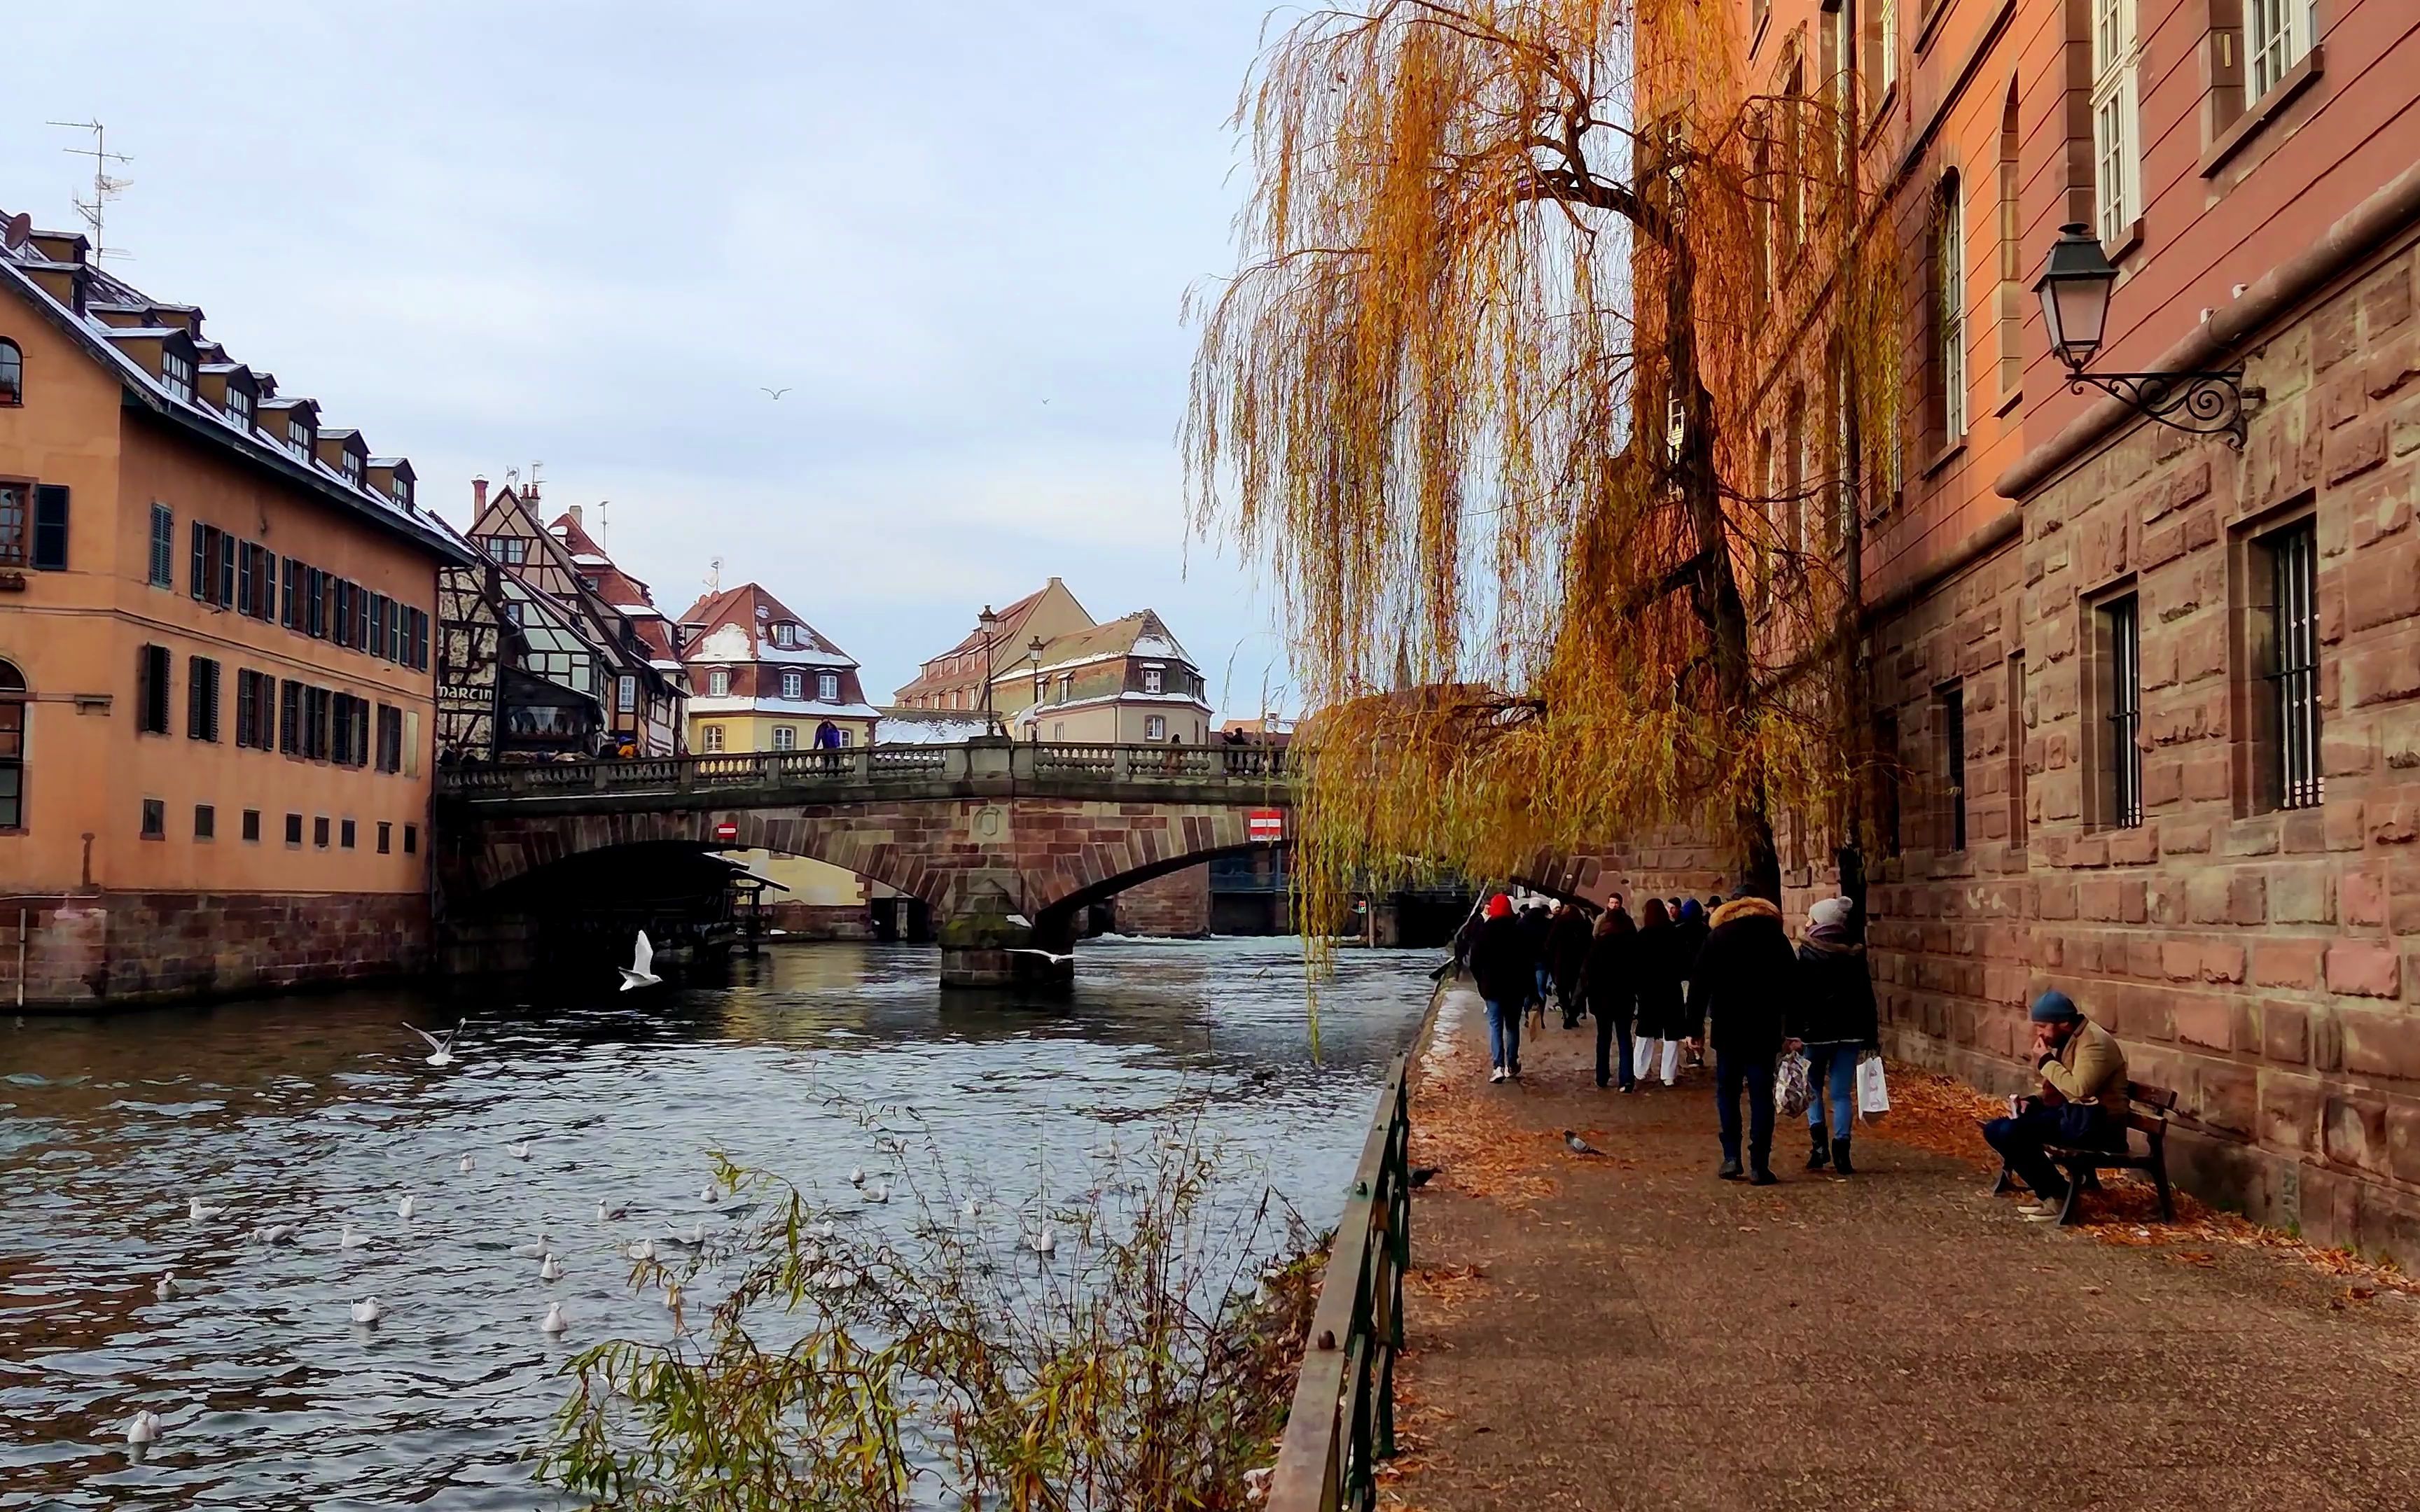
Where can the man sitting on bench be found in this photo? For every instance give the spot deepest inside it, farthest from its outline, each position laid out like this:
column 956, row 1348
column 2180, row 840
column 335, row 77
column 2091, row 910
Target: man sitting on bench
column 2082, row 1105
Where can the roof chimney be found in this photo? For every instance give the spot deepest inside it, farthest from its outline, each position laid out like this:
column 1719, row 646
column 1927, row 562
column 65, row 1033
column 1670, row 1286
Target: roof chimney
column 479, row 497
column 574, row 513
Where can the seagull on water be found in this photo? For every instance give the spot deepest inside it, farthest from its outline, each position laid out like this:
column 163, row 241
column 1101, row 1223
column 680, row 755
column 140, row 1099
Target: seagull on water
column 202, row 1212
column 143, row 1428
column 166, row 1287
column 537, row 1249
column 368, row 1312
column 972, row 1210
column 881, row 1193
column 554, row 1322
column 403, row 1208
column 351, row 1238
column 856, row 1176
column 1044, row 1243
column 696, row 1236
column 643, row 1250
column 607, row 1213
column 708, row 1196
column 549, row 1269
column 640, row 972
column 518, row 1151
column 274, row 1233
column 440, row 1050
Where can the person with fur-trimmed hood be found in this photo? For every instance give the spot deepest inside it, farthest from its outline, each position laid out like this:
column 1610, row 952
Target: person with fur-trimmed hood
column 1833, row 1014
column 1743, row 980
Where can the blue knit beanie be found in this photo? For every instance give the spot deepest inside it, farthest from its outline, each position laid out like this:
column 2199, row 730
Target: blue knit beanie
column 2054, row 1006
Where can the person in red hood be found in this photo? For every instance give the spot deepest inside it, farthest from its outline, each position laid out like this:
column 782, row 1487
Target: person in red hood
column 1504, row 967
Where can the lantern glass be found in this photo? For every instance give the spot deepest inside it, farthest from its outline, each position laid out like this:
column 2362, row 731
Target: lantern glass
column 2074, row 292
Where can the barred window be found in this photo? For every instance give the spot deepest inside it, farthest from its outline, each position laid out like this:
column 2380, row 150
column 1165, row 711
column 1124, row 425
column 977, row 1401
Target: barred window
column 2293, row 671
column 2121, row 626
column 1953, row 740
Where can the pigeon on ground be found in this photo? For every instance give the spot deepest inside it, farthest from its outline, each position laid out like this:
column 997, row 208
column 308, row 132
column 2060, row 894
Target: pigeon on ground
column 1578, row 1146
column 1423, row 1174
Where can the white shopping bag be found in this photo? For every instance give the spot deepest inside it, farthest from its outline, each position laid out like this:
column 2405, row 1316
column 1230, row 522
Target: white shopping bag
column 1873, row 1092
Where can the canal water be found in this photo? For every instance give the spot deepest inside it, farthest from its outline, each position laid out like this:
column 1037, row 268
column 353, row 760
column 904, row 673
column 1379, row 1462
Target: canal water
column 314, row 1110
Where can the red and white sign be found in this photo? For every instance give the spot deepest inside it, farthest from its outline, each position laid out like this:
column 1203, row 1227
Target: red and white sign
column 727, row 830
column 1266, row 827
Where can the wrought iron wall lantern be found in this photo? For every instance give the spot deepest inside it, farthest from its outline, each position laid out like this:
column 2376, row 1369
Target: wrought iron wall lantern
column 2074, row 292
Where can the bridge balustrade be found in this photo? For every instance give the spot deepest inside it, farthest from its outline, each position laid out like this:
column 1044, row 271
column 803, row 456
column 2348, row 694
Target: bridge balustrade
column 864, row 764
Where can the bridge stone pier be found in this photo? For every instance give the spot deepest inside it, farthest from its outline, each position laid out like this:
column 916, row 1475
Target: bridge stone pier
column 1006, row 842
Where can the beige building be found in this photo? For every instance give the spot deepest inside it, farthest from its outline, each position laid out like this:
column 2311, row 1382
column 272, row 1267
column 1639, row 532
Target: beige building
column 762, row 679
column 1123, row 683
column 953, row 681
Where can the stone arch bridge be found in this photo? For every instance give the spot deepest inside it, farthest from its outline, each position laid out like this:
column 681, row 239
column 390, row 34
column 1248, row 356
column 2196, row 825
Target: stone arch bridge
column 1007, row 842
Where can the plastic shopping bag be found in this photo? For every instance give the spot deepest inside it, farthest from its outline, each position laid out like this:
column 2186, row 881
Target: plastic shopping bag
column 1873, row 1092
column 1790, row 1086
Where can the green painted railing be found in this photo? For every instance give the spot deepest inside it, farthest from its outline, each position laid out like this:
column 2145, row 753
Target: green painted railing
column 1342, row 1422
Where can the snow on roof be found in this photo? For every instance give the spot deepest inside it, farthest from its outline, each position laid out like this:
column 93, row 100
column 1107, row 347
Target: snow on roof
column 927, row 727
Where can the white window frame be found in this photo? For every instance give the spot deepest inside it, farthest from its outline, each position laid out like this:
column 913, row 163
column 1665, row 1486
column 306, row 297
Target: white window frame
column 626, row 694
column 711, row 738
column 2278, row 34
column 718, row 683
column 177, row 373
column 237, row 406
column 2117, row 120
column 1154, row 679
column 352, row 469
column 1952, row 355
column 1155, row 727
column 1887, row 64
column 793, row 686
column 785, row 737
column 827, row 687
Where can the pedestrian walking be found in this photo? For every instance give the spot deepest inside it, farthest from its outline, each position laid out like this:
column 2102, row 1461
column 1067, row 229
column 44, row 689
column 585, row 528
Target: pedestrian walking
column 1567, row 952
column 1691, row 919
column 1536, row 924
column 1833, row 1014
column 1504, row 971
column 1743, row 976
column 1609, row 980
column 1657, row 973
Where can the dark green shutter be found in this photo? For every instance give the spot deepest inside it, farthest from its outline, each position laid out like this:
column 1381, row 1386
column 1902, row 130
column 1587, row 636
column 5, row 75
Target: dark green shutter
column 49, row 528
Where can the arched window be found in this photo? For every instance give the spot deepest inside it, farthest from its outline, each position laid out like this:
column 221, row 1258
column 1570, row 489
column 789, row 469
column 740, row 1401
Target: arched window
column 12, row 374
column 12, row 746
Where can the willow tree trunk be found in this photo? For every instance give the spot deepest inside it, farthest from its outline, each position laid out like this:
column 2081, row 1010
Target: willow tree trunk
column 1714, row 589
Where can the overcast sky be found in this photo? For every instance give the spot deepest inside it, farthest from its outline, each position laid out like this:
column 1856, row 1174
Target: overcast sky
column 588, row 235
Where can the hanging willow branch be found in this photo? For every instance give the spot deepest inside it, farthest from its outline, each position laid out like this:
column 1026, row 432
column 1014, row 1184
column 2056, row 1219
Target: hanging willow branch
column 1481, row 397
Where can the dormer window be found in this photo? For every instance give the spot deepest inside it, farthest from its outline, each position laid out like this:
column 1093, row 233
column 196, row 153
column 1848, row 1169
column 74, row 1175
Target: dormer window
column 828, row 686
column 238, row 407
column 794, row 685
column 718, row 683
column 1154, row 680
column 785, row 635
column 403, row 492
column 177, row 372
column 297, row 436
column 352, row 468
column 12, row 374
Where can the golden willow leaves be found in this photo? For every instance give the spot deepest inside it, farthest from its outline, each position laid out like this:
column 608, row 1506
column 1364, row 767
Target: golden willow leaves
column 1520, row 285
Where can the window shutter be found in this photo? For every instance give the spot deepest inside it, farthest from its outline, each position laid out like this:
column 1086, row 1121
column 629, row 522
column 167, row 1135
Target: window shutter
column 49, row 528
column 201, row 562
column 226, row 569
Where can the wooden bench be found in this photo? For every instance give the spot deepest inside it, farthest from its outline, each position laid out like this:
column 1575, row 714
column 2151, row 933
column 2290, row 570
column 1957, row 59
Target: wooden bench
column 2148, row 1111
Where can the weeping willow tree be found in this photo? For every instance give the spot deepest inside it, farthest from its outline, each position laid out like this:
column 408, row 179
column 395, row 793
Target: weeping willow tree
column 1528, row 289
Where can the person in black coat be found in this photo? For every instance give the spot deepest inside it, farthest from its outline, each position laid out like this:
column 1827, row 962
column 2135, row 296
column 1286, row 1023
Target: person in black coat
column 1504, row 969
column 1657, row 975
column 1743, row 980
column 1608, row 979
column 1567, row 949
column 1833, row 1014
column 1536, row 924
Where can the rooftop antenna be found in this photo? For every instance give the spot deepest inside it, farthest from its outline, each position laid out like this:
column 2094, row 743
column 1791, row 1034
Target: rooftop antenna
column 536, row 476
column 104, row 188
column 714, row 576
column 604, row 527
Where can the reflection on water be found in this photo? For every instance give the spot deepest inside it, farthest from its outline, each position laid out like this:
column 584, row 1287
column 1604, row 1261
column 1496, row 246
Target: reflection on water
column 313, row 1110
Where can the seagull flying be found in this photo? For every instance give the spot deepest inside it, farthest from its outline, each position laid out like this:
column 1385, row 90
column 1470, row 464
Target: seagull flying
column 440, row 1049
column 778, row 392
column 640, row 972
column 1052, row 957
column 1578, row 1146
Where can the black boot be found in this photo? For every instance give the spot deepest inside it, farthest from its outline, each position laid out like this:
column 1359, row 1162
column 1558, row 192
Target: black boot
column 1816, row 1154
column 1841, row 1158
column 1730, row 1171
column 1763, row 1175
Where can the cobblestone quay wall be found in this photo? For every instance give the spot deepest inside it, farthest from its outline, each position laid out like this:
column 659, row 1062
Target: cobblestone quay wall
column 104, row 948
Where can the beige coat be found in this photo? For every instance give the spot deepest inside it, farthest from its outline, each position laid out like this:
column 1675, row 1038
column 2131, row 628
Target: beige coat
column 2089, row 1068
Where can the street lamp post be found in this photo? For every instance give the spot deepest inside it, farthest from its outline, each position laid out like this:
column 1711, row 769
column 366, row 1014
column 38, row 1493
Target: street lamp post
column 2074, row 289
column 1033, row 653
column 990, row 624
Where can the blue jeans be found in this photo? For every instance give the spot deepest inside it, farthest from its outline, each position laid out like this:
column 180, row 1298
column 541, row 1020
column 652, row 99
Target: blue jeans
column 1504, row 1034
column 1833, row 1068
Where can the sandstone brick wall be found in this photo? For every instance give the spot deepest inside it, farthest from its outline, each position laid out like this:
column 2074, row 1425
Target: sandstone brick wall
column 1174, row 907
column 2264, row 963
column 124, row 947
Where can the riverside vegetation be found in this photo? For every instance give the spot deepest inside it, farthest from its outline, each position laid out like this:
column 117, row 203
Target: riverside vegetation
column 1135, row 1348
